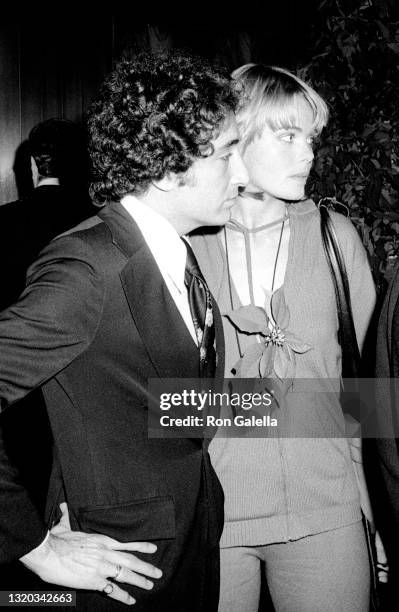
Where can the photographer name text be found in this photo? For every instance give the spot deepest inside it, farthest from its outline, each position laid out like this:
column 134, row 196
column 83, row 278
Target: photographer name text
column 212, row 421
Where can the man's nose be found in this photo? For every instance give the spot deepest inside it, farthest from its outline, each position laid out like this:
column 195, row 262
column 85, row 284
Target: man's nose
column 240, row 174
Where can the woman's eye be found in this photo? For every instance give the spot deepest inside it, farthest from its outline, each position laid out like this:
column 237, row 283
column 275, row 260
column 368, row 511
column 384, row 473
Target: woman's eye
column 289, row 137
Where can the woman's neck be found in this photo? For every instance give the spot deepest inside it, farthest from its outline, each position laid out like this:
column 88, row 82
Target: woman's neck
column 252, row 212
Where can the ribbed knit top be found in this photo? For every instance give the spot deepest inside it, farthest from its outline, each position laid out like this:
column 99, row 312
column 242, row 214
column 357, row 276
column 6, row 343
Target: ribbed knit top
column 286, row 488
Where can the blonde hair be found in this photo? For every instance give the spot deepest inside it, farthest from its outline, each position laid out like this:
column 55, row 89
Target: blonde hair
column 268, row 97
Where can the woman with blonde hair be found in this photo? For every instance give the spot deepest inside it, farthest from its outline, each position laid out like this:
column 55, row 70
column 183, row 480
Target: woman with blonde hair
column 291, row 503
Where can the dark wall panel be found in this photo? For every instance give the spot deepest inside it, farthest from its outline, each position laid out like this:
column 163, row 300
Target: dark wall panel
column 10, row 111
column 33, row 59
column 45, row 72
column 96, row 58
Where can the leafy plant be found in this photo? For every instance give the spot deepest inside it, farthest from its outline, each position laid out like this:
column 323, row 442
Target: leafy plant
column 355, row 66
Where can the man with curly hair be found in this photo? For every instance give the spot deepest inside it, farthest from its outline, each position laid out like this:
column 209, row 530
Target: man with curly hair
column 105, row 309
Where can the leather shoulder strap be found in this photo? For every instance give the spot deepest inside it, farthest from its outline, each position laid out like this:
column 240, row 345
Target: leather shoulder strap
column 347, row 333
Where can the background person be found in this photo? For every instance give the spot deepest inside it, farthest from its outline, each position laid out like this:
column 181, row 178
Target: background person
column 59, row 200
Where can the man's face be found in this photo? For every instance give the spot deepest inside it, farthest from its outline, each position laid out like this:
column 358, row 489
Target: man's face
column 211, row 184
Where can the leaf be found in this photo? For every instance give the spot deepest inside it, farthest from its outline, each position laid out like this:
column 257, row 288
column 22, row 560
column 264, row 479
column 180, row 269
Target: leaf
column 291, row 361
column 248, row 366
column 383, row 29
column 279, row 309
column 297, row 345
column 249, row 319
column 281, row 363
column 368, row 130
column 251, row 371
column 266, row 363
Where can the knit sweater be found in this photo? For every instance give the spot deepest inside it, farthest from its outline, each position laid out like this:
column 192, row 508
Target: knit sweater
column 286, row 488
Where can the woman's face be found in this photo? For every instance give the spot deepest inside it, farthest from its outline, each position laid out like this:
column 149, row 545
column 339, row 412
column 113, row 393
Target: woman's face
column 279, row 162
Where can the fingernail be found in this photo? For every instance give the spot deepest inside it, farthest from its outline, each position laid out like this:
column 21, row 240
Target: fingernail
column 157, row 573
column 149, row 584
column 131, row 601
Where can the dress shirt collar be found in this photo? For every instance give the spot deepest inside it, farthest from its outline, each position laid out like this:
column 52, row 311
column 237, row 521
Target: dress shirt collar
column 161, row 237
column 48, row 180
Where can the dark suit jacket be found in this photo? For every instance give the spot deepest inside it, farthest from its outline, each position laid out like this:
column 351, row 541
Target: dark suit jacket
column 94, row 323
column 27, row 226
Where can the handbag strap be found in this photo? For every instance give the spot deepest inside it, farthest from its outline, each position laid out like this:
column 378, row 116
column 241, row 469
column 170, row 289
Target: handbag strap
column 350, row 351
column 346, row 334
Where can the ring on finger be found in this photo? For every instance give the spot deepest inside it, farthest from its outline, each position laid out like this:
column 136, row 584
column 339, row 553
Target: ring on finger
column 118, row 570
column 109, row 587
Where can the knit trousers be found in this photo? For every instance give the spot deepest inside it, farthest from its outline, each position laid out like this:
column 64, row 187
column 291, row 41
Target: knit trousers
column 327, row 572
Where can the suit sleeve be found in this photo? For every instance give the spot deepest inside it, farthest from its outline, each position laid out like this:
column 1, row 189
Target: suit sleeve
column 53, row 322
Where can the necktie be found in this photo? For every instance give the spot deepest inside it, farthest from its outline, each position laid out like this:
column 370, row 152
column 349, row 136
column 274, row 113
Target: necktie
column 200, row 302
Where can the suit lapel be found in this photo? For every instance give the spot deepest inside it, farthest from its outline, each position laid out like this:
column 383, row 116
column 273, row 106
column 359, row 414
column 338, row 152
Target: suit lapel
column 162, row 329
column 168, row 342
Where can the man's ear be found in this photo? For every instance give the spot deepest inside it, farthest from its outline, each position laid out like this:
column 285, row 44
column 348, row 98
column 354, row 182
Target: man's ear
column 169, row 182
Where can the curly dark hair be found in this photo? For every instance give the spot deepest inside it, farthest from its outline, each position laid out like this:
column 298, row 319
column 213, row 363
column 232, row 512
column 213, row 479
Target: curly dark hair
column 155, row 114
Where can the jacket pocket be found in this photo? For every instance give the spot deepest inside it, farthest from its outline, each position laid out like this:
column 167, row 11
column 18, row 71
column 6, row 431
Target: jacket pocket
column 144, row 519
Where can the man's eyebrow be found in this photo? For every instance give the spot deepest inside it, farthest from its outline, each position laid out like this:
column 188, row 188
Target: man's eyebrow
column 229, row 144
